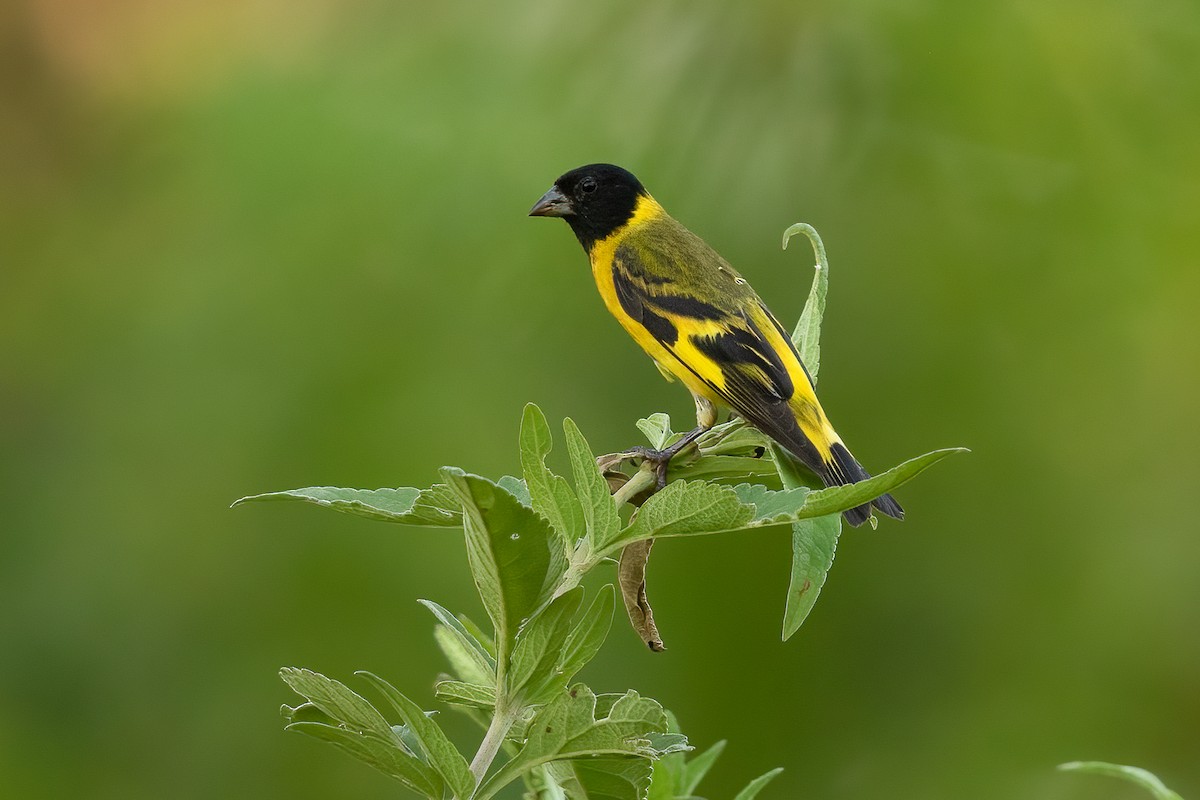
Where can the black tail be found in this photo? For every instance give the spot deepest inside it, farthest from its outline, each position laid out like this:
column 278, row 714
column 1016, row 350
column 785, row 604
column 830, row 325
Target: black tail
column 844, row 469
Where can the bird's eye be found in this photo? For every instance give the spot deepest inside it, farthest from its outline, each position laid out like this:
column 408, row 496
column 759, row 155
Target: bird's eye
column 587, row 185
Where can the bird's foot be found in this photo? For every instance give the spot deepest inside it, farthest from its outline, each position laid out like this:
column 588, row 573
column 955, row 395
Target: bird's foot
column 660, row 459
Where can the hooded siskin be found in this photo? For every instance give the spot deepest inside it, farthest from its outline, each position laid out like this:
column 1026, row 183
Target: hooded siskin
column 700, row 320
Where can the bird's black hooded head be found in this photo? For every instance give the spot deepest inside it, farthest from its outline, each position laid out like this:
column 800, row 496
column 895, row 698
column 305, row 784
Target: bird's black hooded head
column 594, row 200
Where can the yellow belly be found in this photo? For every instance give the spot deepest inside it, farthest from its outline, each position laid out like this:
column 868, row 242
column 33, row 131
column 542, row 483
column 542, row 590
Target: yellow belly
column 668, row 361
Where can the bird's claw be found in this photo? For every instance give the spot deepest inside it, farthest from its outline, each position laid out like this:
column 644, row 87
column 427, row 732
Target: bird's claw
column 659, row 458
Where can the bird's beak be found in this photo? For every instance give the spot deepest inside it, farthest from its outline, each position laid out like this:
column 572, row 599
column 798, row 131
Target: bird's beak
column 553, row 204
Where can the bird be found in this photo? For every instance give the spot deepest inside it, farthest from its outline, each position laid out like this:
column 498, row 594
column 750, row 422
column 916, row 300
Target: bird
column 701, row 323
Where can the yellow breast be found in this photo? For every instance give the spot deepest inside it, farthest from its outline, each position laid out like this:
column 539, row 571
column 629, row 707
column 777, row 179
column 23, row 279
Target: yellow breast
column 675, row 362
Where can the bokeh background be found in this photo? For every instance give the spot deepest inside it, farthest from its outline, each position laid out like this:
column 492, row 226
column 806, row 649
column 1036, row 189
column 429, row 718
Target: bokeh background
column 248, row 246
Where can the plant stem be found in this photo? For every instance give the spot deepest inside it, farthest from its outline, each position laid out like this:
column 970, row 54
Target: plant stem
column 502, row 720
column 576, row 569
column 643, row 479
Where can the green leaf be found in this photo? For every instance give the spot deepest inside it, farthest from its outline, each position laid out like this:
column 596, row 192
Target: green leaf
column 694, row 508
column 566, row 657
column 550, row 494
column 686, row 508
column 695, row 770
column 755, row 786
column 1144, row 778
column 727, row 468
column 814, row 542
column 337, row 700
column 665, row 778
column 516, row 558
column 841, row 498
column 569, row 656
column 670, row 770
column 544, row 785
column 517, row 488
column 814, row 537
column 733, row 437
column 462, row 663
column 460, row 693
column 442, row 755
column 577, row 724
column 588, row 634
column 432, row 507
column 603, row 778
column 807, row 335
column 382, row 755
column 306, row 712
column 791, row 474
column 540, row 642
column 336, row 714
column 772, row 507
column 468, row 657
column 599, row 510
column 664, row 744
column 657, row 428
column 485, row 641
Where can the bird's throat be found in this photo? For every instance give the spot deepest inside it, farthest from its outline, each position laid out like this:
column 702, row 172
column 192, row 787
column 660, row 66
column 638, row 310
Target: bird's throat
column 600, row 240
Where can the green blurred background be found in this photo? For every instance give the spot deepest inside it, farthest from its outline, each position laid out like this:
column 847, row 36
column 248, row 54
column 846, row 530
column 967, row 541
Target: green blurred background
column 248, row 246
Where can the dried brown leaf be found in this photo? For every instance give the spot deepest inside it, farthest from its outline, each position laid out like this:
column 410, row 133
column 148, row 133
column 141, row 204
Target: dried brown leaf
column 631, row 574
